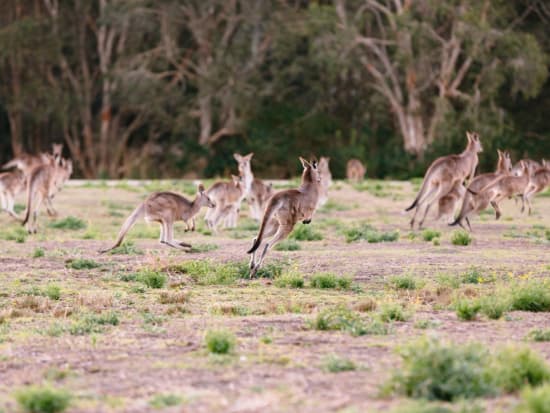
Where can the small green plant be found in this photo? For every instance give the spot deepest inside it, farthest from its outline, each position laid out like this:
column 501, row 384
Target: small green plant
column 467, row 309
column 38, row 252
column 53, row 292
column 128, row 248
column 82, row 264
column 18, row 235
column 202, row 248
column 461, row 237
column 34, row 399
column 472, row 276
column 93, row 323
column 368, row 233
column 539, row 335
column 516, row 367
column 69, row 222
column 531, row 296
column 329, row 280
column 535, row 400
column 161, row 401
column 430, row 234
column 290, row 279
column 152, row 279
column 220, row 341
column 403, row 282
column 305, row 233
column 288, row 245
column 337, row 364
column 392, row 311
column 493, row 307
column 339, row 318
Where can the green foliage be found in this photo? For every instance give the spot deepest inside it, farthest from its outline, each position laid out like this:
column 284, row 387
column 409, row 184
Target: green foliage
column 203, row 248
column 430, row 234
column 287, row 245
column 343, row 319
column 69, row 222
column 82, row 264
column 161, row 401
column 305, row 233
column 329, row 280
column 371, row 235
column 127, row 248
column 93, row 323
column 35, row 399
column 516, row 367
column 467, row 309
column 152, row 279
column 535, row 400
column 531, row 296
column 403, row 282
column 220, row 341
column 337, row 364
column 290, row 279
column 53, row 292
column 539, row 335
column 392, row 311
column 18, row 235
column 38, row 252
column 494, row 307
column 472, row 276
column 461, row 237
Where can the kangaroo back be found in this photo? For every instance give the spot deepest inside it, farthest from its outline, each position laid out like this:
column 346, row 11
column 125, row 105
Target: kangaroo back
column 128, row 224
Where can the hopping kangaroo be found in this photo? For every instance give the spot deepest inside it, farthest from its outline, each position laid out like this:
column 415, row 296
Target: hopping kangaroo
column 537, row 183
column 473, row 203
column 284, row 210
column 355, row 170
column 227, row 197
column 257, row 192
column 532, row 167
column 11, row 184
column 44, row 182
column 443, row 174
column 27, row 162
column 448, row 204
column 166, row 208
column 326, row 180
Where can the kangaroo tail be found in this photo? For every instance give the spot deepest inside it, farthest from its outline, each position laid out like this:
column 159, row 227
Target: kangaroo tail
column 31, row 184
column 14, row 163
column 128, row 224
column 420, row 194
column 267, row 217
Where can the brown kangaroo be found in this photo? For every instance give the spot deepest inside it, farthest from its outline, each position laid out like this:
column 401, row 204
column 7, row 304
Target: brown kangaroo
column 11, row 184
column 532, row 167
column 448, row 204
column 166, row 208
column 27, row 162
column 326, row 179
column 257, row 192
column 284, row 210
column 227, row 196
column 538, row 181
column 355, row 170
column 443, row 174
column 472, row 203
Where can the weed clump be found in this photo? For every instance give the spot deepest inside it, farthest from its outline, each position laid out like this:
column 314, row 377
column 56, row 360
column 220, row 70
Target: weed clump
column 290, row 279
column 430, row 234
column 403, row 282
column 220, row 341
column 34, row 399
column 393, row 312
column 516, row 367
column 127, row 248
column 461, row 237
column 38, row 252
column 368, row 233
column 467, row 310
column 152, row 279
column 539, row 335
column 327, row 280
column 288, row 245
column 160, row 401
column 337, row 364
column 531, row 296
column 82, row 264
column 305, row 233
column 535, row 400
column 69, row 222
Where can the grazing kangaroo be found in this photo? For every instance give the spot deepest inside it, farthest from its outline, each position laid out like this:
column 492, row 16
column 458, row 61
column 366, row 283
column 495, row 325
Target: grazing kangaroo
column 227, row 196
column 284, row 210
column 538, row 181
column 443, row 174
column 472, row 203
column 27, row 162
column 44, row 182
column 11, row 184
column 326, row 179
column 166, row 208
column 257, row 192
column 355, row 170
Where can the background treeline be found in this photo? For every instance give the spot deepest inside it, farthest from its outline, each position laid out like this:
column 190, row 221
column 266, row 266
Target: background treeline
column 170, row 88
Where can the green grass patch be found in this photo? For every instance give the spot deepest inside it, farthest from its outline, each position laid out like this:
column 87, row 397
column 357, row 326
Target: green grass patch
column 327, row 280
column 539, row 335
column 38, row 252
column 82, row 264
column 535, row 400
column 220, row 341
column 70, row 222
column 336, row 364
column 37, row 399
column 202, row 248
column 461, row 237
column 127, row 248
column 93, row 323
column 429, row 235
column 343, row 319
column 288, row 245
column 393, row 311
column 530, row 296
column 162, row 401
column 514, row 367
column 368, row 233
column 151, row 278
column 305, row 233
column 403, row 282
column 289, row 279
column 18, row 234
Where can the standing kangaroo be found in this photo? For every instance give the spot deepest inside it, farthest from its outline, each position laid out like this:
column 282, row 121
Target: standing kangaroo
column 284, row 210
column 27, row 162
column 448, row 204
column 11, row 184
column 443, row 174
column 472, row 203
column 166, row 208
column 227, row 196
column 355, row 170
column 538, row 181
column 326, row 179
column 257, row 192
column 43, row 183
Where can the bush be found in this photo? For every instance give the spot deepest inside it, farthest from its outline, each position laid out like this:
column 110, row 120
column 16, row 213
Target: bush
column 430, row 234
column 336, row 364
column 93, row 323
column 403, row 282
column 152, row 279
column 535, row 400
column 287, row 245
column 437, row 370
column 53, row 292
column 38, row 252
column 161, row 401
column 290, row 279
column 82, row 264
column 467, row 309
column 70, row 222
column 220, row 341
column 539, row 335
column 493, row 307
column 531, row 296
column 340, row 318
column 305, row 233
column 327, row 280
column 392, row 312
column 35, row 399
column 461, row 237
column 472, row 276
column 516, row 367
column 369, row 234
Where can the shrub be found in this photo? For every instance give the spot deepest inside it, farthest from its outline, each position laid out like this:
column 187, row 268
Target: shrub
column 93, row 323
column 403, row 282
column 82, row 264
column 392, row 312
column 371, row 235
column 339, row 318
column 69, row 222
column 291, row 279
column 327, row 280
column 493, row 307
column 287, row 245
column 152, row 279
column 461, row 237
column 467, row 309
column 516, row 367
column 430, row 234
column 472, row 276
column 34, row 399
column 535, row 400
column 161, row 401
column 220, row 341
column 336, row 364
column 305, row 233
column 437, row 370
column 531, row 296
column 539, row 335
column 53, row 292
column 38, row 252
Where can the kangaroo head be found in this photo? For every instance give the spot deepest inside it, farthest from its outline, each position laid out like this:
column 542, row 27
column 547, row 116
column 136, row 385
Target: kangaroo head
column 57, row 149
column 473, row 138
column 237, row 181
column 311, row 171
column 204, row 199
column 244, row 162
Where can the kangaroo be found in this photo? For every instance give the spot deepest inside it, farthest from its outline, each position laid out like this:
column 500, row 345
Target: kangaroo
column 326, row 179
column 472, row 203
column 443, row 174
column 538, row 181
column 166, row 208
column 227, row 196
column 284, row 210
column 11, row 184
column 355, row 170
column 532, row 167
column 27, row 162
column 448, row 204
column 257, row 192
column 43, row 183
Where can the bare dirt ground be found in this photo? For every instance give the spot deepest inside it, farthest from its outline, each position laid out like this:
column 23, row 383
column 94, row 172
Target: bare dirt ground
column 158, row 349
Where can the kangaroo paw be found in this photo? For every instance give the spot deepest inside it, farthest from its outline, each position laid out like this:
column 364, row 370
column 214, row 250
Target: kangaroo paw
column 306, row 221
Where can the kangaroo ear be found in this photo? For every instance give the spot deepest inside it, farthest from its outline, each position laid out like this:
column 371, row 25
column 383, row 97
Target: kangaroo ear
column 201, row 188
column 305, row 163
column 469, row 136
column 237, row 157
column 499, row 153
column 249, row 156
